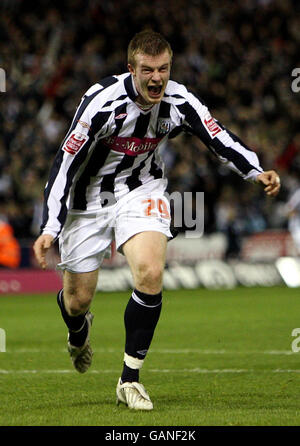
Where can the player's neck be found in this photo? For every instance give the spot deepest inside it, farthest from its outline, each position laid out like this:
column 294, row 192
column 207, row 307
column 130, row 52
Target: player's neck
column 143, row 106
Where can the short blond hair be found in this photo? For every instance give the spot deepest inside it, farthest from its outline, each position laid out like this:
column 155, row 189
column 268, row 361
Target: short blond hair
column 147, row 42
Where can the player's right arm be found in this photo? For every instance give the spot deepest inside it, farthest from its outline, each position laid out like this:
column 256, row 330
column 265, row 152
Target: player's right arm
column 88, row 122
column 40, row 247
column 67, row 161
column 80, row 139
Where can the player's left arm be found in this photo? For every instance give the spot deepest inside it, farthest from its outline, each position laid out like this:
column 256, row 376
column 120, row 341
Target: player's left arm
column 270, row 180
column 228, row 147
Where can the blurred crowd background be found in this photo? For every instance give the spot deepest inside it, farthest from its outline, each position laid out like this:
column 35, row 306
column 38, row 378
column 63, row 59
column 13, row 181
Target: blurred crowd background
column 238, row 56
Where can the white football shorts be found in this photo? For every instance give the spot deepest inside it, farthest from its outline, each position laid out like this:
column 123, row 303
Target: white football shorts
column 86, row 238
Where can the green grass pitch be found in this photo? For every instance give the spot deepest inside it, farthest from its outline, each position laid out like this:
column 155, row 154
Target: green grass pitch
column 218, row 358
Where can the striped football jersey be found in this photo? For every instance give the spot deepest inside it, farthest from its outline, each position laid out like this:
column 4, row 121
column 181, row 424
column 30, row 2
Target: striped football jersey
column 113, row 146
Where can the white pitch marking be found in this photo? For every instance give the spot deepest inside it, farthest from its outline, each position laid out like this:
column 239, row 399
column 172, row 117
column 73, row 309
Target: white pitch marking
column 109, row 371
column 166, row 351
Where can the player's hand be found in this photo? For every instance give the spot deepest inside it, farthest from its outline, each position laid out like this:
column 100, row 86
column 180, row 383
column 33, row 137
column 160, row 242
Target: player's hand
column 40, row 248
column 271, row 180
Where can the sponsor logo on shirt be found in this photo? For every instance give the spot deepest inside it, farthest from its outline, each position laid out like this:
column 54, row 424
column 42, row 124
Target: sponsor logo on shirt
column 84, row 124
column 131, row 146
column 74, row 143
column 121, row 116
column 211, row 126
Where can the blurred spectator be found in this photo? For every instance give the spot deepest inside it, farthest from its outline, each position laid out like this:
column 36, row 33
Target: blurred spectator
column 229, row 221
column 10, row 251
column 292, row 213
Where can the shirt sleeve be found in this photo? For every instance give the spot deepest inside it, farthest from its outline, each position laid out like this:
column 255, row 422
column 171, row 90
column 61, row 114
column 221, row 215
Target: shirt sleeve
column 70, row 157
column 229, row 149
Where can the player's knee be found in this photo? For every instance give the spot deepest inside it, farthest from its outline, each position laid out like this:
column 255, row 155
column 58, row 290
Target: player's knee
column 77, row 301
column 77, row 307
column 149, row 278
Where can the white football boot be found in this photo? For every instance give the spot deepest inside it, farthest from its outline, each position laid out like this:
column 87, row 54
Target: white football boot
column 82, row 356
column 133, row 395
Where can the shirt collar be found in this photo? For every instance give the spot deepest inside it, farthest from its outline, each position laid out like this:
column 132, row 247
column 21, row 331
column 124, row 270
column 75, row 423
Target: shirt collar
column 130, row 88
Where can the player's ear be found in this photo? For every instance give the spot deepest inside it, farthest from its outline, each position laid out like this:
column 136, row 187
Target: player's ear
column 131, row 69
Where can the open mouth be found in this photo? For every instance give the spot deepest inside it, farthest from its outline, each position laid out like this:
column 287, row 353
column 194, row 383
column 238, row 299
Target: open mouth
column 154, row 91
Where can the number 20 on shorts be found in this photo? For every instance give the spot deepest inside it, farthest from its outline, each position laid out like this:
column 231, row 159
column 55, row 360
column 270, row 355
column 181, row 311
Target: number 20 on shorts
column 155, row 208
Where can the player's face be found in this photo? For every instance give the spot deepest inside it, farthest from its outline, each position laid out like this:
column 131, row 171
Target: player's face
column 151, row 75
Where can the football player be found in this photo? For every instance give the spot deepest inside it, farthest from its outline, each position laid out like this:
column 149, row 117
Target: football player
column 107, row 183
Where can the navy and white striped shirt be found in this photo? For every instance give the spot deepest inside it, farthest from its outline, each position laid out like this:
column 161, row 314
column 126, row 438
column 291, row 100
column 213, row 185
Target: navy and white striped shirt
column 113, row 146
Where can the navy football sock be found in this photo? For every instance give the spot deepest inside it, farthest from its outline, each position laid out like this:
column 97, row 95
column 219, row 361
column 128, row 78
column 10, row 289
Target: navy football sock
column 129, row 375
column 140, row 318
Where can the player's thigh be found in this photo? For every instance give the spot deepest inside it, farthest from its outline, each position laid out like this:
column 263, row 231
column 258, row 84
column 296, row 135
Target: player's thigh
column 79, row 290
column 146, row 256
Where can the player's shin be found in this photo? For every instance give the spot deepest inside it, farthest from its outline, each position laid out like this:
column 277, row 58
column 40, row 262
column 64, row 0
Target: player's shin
column 141, row 316
column 77, row 325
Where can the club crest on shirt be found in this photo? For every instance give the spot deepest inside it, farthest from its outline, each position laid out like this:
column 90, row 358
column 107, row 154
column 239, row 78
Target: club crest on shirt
column 163, row 126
